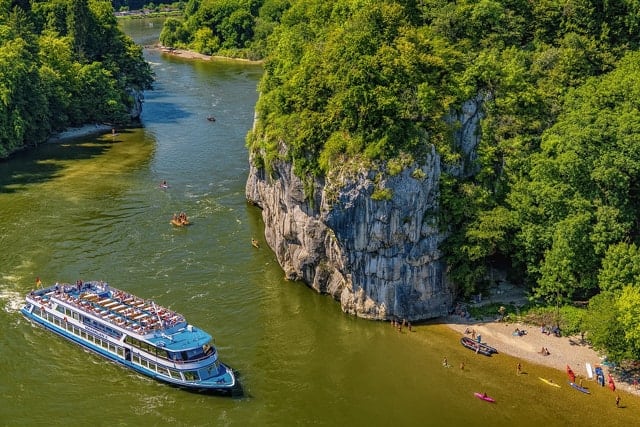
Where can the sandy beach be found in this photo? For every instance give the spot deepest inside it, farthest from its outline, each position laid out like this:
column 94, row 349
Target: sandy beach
column 78, row 132
column 563, row 351
column 188, row 54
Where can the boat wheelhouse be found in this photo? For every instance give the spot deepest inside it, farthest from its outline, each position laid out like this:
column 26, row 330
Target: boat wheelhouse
column 133, row 332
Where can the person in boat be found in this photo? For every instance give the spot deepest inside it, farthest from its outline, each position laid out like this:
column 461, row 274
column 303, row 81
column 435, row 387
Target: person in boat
column 255, row 243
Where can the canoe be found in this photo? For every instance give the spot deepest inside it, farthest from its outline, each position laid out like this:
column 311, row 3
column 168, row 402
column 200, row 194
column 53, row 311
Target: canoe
column 579, row 388
column 476, row 346
column 484, row 397
column 551, row 383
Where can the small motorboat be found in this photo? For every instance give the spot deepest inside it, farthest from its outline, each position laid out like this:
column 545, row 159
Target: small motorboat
column 211, row 118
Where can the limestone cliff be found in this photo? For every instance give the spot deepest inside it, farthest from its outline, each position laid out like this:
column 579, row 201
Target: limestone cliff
column 379, row 258
column 136, row 98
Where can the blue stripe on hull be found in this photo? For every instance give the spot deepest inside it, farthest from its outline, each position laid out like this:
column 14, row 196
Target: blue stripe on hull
column 113, row 358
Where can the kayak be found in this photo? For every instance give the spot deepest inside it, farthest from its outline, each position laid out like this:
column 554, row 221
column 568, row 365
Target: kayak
column 612, row 384
column 484, row 397
column 579, row 388
column 570, row 374
column 551, row 383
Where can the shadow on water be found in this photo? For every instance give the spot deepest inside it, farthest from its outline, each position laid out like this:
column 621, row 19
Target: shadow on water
column 164, row 112
column 45, row 162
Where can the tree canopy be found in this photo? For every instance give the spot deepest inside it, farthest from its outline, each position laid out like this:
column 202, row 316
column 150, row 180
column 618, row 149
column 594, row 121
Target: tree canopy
column 552, row 193
column 64, row 63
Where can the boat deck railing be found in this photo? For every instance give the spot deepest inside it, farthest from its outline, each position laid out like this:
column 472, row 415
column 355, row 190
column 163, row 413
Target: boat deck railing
column 113, row 305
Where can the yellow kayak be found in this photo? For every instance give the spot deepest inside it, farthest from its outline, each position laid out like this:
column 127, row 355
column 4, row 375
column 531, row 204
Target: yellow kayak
column 550, row 382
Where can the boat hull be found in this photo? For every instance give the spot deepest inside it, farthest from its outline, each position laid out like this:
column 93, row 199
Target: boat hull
column 477, row 347
column 218, row 378
column 484, row 397
column 551, row 383
column 579, row 388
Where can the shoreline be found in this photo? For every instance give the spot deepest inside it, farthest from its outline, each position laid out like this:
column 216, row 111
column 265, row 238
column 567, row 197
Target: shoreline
column 189, row 54
column 79, row 132
column 571, row 350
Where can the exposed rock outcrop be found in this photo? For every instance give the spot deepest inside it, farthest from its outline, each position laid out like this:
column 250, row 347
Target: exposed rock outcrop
column 137, row 98
column 380, row 258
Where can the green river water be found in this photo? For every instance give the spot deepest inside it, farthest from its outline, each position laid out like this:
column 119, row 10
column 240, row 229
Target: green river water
column 92, row 209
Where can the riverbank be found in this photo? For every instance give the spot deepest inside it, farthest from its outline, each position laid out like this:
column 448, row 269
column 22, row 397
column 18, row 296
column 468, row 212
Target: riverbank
column 79, row 132
column 563, row 351
column 188, row 54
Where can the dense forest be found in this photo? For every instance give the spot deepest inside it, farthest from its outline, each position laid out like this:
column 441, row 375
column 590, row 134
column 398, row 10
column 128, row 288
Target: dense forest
column 63, row 63
column 145, row 5
column 553, row 195
column 235, row 28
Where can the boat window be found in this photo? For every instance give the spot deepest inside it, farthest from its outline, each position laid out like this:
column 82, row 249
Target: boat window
column 191, row 375
column 193, row 354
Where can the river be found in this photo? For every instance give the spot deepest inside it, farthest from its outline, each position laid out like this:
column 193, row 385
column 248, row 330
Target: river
column 92, row 209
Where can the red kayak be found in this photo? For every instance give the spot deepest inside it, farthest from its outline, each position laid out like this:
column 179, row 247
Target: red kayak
column 484, row 397
column 612, row 384
column 571, row 375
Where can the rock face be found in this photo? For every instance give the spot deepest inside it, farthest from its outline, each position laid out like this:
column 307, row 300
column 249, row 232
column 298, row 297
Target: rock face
column 136, row 99
column 380, row 258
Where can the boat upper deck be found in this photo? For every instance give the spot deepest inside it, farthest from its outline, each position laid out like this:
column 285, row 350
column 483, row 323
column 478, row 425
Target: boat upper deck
column 114, row 306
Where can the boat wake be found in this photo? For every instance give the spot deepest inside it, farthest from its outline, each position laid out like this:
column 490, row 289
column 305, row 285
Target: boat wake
column 12, row 301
